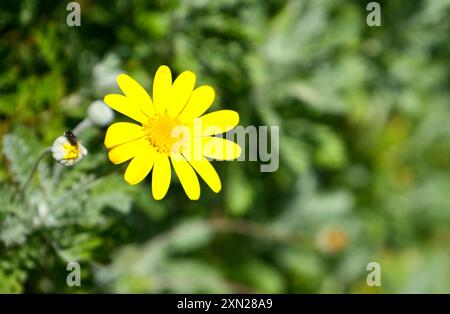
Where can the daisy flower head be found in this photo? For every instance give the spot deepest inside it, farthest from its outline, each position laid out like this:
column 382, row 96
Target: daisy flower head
column 67, row 149
column 171, row 129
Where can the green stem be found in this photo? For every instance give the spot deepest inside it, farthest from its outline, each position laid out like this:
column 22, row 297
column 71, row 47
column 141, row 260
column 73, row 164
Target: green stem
column 35, row 166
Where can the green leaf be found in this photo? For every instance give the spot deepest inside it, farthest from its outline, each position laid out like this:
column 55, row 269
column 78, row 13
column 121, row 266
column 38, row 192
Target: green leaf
column 19, row 157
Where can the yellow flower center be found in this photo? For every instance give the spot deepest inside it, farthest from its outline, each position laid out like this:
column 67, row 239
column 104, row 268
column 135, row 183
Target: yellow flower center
column 164, row 133
column 71, row 151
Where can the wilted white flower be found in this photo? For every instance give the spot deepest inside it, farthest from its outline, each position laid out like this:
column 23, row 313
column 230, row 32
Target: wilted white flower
column 67, row 150
column 99, row 113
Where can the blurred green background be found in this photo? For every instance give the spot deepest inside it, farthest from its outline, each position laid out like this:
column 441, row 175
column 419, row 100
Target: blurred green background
column 364, row 148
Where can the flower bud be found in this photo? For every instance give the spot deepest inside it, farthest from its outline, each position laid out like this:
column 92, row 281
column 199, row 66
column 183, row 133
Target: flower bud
column 99, row 113
column 67, row 149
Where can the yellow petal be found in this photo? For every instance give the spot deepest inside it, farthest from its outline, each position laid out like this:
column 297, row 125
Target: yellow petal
column 122, row 132
column 161, row 176
column 141, row 165
column 207, row 173
column 125, row 106
column 220, row 149
column 215, row 122
column 121, row 153
column 201, row 99
column 162, row 84
column 180, row 93
column 136, row 94
column 187, row 176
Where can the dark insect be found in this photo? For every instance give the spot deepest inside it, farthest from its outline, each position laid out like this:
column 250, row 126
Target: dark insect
column 71, row 137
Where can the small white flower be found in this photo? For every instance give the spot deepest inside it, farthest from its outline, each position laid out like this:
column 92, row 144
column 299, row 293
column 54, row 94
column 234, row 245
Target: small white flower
column 67, row 150
column 99, row 113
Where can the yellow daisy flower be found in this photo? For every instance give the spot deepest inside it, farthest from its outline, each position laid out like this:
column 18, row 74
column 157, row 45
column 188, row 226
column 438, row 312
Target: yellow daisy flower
column 171, row 129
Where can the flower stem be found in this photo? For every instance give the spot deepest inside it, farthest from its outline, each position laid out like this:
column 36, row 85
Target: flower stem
column 80, row 127
column 35, row 166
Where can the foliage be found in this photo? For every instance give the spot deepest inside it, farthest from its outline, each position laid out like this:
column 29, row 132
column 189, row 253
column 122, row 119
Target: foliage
column 364, row 148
